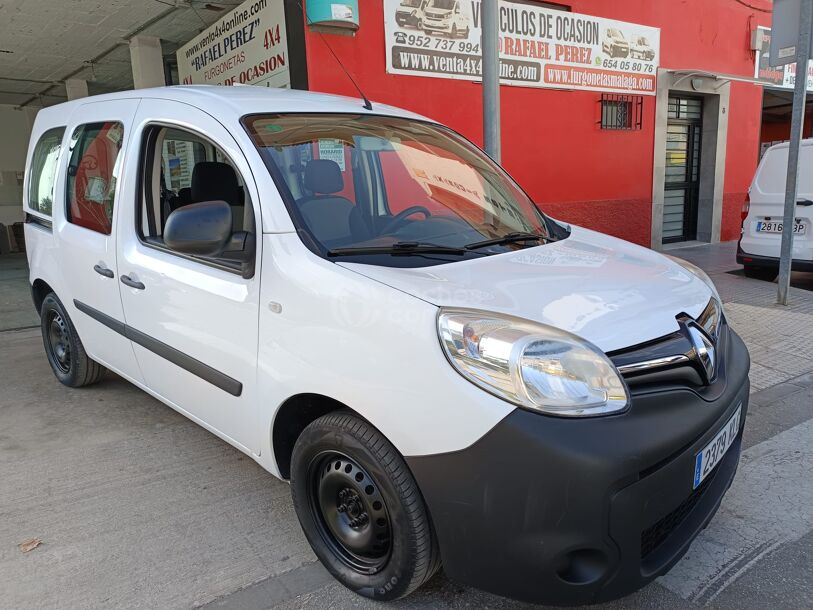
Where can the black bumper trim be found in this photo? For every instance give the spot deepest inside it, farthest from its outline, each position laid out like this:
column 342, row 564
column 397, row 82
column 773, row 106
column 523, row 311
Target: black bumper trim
column 175, row 356
column 770, row 262
column 552, row 510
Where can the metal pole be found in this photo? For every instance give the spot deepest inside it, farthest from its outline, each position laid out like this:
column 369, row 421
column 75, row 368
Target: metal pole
column 796, row 124
column 491, row 78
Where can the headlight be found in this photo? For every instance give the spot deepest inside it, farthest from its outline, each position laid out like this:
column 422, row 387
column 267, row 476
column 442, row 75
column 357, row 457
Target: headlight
column 531, row 365
column 712, row 316
column 711, row 319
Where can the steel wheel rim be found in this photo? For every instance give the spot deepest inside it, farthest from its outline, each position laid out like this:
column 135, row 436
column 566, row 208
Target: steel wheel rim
column 59, row 344
column 350, row 512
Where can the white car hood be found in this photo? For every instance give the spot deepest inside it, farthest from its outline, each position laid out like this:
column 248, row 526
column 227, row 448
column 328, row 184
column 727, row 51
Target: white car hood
column 606, row 290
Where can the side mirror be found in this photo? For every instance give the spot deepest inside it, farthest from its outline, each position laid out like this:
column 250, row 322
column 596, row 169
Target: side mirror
column 202, row 229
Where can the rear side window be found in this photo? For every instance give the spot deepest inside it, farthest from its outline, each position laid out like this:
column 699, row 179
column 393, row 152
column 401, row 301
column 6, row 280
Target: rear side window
column 43, row 171
column 92, row 175
column 772, row 173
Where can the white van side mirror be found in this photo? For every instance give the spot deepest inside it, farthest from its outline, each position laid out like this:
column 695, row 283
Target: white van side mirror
column 201, row 229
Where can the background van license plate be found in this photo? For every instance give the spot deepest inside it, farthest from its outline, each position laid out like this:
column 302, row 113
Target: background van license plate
column 712, row 453
column 776, row 227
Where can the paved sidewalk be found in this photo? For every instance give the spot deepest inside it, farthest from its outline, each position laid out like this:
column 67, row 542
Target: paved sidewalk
column 780, row 338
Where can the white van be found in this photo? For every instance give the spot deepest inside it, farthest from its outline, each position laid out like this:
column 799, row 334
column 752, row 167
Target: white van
column 410, row 13
column 763, row 214
column 446, row 17
column 369, row 307
column 614, row 43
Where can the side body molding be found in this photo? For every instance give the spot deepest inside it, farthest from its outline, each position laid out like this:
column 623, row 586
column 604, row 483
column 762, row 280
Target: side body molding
column 177, row 357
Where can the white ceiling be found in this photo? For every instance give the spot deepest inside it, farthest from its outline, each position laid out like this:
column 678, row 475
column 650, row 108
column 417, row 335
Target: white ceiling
column 43, row 42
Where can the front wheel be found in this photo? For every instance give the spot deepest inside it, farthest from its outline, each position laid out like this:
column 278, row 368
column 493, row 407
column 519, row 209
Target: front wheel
column 766, row 274
column 361, row 509
column 63, row 347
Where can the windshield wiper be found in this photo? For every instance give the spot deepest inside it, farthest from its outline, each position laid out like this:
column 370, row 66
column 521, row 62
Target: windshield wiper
column 510, row 238
column 404, row 248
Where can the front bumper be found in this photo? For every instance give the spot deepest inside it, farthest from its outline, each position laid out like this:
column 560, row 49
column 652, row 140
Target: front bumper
column 572, row 511
column 770, row 262
column 407, row 18
column 437, row 26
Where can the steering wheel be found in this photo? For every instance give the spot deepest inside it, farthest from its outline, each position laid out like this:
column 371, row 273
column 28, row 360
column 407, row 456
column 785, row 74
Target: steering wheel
column 401, row 216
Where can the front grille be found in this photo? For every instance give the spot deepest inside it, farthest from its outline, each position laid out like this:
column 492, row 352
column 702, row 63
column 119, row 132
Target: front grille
column 655, row 535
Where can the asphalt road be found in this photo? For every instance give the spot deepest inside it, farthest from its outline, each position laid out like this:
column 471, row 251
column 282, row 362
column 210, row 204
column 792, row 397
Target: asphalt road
column 137, row 507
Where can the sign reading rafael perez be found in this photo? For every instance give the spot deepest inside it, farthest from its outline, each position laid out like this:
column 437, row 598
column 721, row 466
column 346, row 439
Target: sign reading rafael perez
column 247, row 46
column 539, row 47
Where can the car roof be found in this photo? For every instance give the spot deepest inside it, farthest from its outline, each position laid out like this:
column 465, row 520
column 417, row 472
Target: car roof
column 233, row 102
column 804, row 142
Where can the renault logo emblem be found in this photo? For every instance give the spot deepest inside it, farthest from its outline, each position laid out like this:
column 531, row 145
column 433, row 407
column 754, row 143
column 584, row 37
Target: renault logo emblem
column 703, row 348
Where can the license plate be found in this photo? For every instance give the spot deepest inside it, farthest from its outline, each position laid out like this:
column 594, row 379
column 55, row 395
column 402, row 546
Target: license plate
column 706, row 460
column 776, row 227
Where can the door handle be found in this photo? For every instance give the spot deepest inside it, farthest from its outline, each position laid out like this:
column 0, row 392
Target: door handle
column 128, row 281
column 804, row 202
column 102, row 270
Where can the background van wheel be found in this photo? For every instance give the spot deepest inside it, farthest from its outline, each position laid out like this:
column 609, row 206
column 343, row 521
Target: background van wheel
column 64, row 349
column 760, row 273
column 361, row 509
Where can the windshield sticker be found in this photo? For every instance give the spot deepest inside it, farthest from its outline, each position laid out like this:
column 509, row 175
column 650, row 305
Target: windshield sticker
column 332, row 150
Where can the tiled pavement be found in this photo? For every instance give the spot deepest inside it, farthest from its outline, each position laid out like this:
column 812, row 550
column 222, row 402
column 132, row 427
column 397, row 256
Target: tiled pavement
column 780, row 338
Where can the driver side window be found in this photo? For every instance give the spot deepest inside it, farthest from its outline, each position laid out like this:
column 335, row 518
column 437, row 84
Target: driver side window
column 182, row 168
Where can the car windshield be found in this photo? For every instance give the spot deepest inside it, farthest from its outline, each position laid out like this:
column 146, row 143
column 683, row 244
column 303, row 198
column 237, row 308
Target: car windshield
column 393, row 187
column 643, row 41
column 412, row 3
column 445, row 5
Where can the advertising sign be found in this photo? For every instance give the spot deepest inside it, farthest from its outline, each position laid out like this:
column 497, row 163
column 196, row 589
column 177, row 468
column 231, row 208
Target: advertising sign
column 332, row 13
column 783, row 77
column 247, row 46
column 538, row 47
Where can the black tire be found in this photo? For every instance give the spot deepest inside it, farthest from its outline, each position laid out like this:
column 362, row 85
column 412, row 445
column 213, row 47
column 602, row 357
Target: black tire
column 63, row 347
column 766, row 274
column 347, row 478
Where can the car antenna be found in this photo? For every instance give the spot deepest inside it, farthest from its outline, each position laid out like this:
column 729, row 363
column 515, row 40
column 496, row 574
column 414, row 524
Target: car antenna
column 367, row 104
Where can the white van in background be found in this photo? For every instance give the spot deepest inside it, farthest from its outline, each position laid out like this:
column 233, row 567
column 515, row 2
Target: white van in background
column 446, row 17
column 410, row 13
column 763, row 210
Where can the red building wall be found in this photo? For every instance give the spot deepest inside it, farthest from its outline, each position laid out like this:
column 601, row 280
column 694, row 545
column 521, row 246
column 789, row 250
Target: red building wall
column 552, row 143
column 779, row 132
